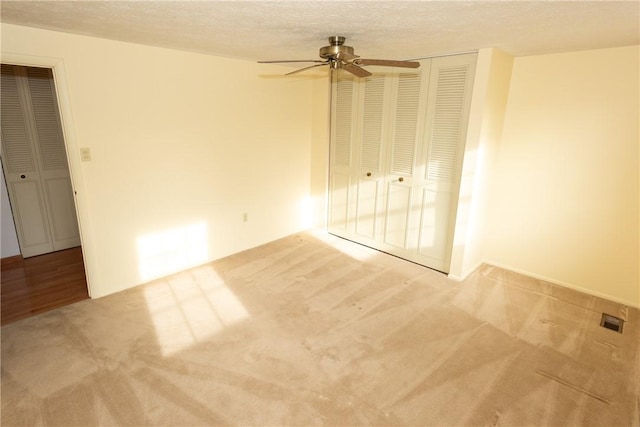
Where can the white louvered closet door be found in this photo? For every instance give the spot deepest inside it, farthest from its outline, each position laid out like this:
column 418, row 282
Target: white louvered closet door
column 358, row 171
column 402, row 150
column 35, row 163
column 342, row 135
column 396, row 155
column 439, row 164
column 369, row 171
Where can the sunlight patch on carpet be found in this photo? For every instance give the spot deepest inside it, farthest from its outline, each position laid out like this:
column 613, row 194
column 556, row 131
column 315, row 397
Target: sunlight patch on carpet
column 190, row 307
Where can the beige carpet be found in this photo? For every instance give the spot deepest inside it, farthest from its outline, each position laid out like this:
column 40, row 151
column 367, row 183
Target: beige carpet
column 314, row 330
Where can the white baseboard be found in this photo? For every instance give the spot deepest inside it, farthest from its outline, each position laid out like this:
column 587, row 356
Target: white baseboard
column 564, row 284
column 466, row 273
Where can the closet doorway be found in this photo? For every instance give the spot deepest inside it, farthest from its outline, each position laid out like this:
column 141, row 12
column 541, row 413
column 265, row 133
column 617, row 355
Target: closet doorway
column 49, row 271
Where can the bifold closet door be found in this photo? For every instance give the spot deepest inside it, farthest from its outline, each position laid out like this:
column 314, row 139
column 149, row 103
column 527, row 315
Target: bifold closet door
column 439, row 163
column 341, row 153
column 397, row 140
column 369, row 175
column 403, row 142
column 34, row 162
column 358, row 171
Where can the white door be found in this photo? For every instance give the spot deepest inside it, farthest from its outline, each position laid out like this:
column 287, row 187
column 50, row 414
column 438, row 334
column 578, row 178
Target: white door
column 397, row 144
column 340, row 179
column 369, row 171
column 357, row 174
column 35, row 163
column 404, row 141
column 437, row 180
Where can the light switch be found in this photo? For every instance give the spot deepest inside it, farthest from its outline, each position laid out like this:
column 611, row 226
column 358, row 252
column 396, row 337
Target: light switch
column 85, row 154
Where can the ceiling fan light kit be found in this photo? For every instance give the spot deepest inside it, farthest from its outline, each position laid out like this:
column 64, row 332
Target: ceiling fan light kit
column 339, row 56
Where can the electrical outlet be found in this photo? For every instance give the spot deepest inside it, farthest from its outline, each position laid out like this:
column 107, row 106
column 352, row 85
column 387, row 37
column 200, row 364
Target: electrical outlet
column 245, row 217
column 85, row 154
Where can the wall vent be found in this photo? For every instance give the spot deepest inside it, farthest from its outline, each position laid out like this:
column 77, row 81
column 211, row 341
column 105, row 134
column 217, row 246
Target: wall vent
column 611, row 322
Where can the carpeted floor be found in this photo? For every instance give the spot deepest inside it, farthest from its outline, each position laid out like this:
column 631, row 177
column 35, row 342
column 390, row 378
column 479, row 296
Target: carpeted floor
column 314, row 330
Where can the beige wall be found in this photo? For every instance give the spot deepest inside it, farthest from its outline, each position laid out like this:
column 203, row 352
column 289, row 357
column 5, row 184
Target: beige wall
column 565, row 195
column 486, row 118
column 182, row 145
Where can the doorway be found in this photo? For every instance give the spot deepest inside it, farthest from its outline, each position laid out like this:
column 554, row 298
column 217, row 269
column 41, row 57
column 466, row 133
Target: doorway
column 34, row 162
column 36, row 172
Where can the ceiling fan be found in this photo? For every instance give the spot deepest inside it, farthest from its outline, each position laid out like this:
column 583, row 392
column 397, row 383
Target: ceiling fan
column 339, row 56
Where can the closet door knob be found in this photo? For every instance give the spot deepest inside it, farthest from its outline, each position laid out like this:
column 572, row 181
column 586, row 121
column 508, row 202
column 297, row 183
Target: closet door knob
column 401, row 179
column 368, row 173
column 23, row 176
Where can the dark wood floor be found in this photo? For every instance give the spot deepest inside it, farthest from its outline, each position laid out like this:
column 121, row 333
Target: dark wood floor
column 38, row 284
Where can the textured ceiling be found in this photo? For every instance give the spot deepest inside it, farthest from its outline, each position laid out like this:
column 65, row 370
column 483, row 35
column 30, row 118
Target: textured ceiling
column 377, row 29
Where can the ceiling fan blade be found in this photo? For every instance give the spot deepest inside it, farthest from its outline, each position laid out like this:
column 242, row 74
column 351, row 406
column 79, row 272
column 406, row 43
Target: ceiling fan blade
column 291, row 60
column 387, row 63
column 306, row 68
column 355, row 70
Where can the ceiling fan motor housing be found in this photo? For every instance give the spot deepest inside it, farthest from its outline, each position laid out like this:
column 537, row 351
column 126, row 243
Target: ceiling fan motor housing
column 336, row 46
